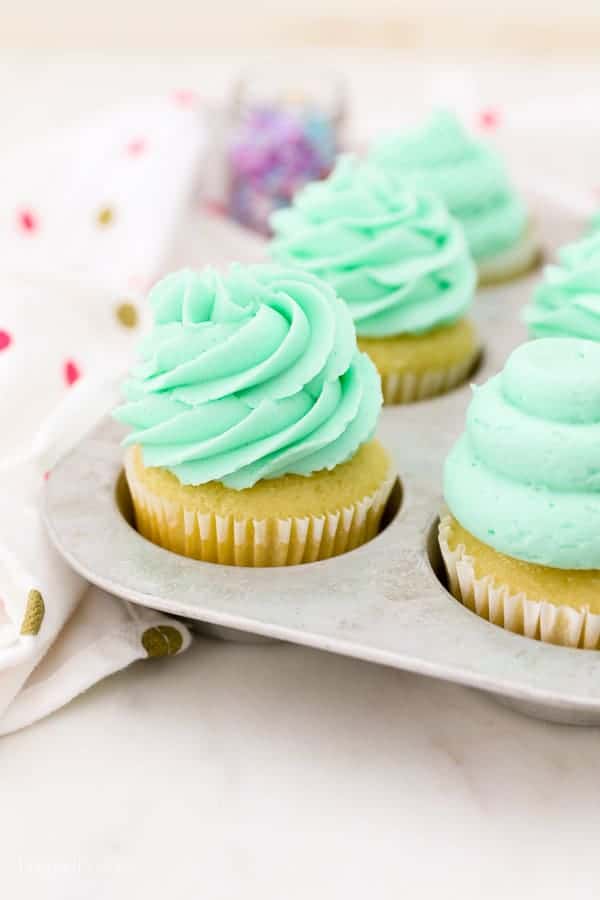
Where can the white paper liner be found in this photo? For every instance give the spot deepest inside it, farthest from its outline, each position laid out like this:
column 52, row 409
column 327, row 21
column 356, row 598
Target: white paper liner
column 409, row 387
column 250, row 542
column 511, row 263
column 536, row 619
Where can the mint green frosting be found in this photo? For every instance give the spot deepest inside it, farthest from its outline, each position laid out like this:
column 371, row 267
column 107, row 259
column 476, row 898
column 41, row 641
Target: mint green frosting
column 567, row 302
column 525, row 476
column 249, row 376
column 470, row 176
column 396, row 256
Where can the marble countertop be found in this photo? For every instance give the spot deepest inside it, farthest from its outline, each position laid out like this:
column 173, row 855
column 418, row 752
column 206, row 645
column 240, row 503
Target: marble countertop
column 247, row 771
column 274, row 771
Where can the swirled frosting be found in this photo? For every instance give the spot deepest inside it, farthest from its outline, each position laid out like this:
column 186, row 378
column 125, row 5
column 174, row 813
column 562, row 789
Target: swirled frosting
column 525, row 476
column 396, row 257
column 470, row 176
column 250, row 376
column 567, row 302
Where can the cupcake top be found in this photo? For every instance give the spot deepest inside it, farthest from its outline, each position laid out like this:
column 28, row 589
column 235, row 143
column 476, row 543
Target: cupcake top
column 396, row 256
column 525, row 476
column 249, row 376
column 567, row 302
column 470, row 176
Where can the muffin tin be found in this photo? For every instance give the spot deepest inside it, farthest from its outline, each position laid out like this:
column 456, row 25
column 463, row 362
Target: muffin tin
column 384, row 602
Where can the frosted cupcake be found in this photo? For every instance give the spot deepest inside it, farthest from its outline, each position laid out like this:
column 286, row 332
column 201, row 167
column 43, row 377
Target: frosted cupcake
column 252, row 416
column 521, row 545
column 400, row 262
column 472, row 179
column 567, row 302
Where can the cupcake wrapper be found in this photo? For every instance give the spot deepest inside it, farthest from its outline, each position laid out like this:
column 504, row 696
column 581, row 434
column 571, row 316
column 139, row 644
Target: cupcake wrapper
column 536, row 619
column 409, row 387
column 250, row 542
column 512, row 263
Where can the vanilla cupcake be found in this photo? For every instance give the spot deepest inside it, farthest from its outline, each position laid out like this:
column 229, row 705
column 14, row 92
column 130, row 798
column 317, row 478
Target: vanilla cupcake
column 472, row 179
column 400, row 262
column 252, row 416
column 567, row 302
column 521, row 545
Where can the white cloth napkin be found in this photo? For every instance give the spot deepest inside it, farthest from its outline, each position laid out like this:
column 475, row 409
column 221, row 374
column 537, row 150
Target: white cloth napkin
column 86, row 222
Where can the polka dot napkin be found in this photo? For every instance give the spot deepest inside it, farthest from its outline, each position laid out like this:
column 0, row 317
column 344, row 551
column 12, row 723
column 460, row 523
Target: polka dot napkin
column 87, row 217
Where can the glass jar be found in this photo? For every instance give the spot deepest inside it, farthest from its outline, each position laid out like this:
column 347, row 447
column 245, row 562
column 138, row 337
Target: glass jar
column 286, row 129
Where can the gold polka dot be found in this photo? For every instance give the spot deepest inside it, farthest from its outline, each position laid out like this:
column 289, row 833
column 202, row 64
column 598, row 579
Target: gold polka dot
column 164, row 640
column 127, row 315
column 34, row 613
column 105, row 216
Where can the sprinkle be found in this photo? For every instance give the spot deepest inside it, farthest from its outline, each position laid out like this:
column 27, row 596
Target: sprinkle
column 71, row 372
column 5, row 340
column 272, row 154
column 105, row 216
column 27, row 221
column 127, row 315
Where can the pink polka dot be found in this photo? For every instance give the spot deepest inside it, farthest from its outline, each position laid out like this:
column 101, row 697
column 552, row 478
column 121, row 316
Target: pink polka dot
column 71, row 372
column 5, row 340
column 489, row 119
column 214, row 207
column 28, row 221
column 138, row 284
column 136, row 147
column 184, row 97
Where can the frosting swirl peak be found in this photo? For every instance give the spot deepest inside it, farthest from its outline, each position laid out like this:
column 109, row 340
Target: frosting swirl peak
column 467, row 173
column 249, row 376
column 567, row 302
column 525, row 476
column 396, row 257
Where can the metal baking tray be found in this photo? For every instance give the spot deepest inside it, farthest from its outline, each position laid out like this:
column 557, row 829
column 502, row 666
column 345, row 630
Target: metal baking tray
column 384, row 602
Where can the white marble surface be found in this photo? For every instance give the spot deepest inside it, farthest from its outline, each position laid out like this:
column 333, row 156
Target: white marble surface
column 277, row 772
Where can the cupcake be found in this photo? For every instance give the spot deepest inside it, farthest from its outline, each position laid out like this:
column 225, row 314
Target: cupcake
column 567, row 302
column 472, row 179
column 521, row 545
column 252, row 416
column 400, row 262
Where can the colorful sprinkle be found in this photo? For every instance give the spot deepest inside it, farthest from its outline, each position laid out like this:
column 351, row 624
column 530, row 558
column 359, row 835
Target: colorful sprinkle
column 105, row 216
column 274, row 152
column 5, row 340
column 71, row 372
column 127, row 315
column 27, row 221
